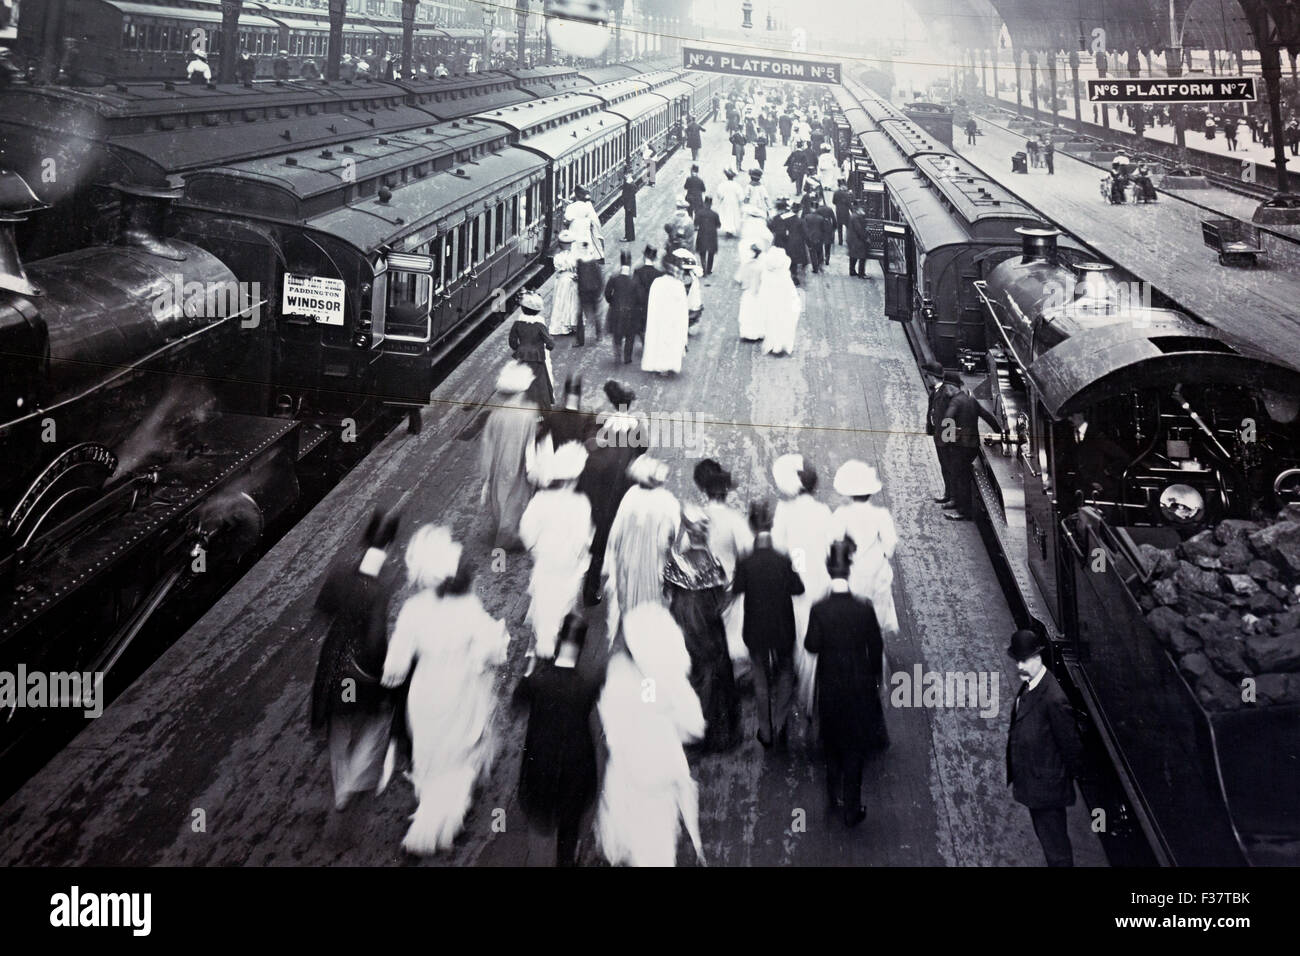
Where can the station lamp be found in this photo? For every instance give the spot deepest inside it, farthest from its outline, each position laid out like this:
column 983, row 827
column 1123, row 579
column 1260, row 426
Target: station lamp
column 748, row 8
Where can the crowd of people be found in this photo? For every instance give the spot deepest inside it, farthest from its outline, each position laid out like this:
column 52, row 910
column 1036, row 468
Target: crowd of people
column 699, row 599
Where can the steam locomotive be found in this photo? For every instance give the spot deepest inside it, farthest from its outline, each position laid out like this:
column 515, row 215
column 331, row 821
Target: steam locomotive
column 215, row 314
column 1140, row 505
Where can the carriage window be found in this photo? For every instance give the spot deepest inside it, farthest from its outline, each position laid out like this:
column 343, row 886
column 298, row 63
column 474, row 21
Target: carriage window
column 408, row 304
column 128, row 36
column 501, row 224
column 488, row 234
column 462, row 248
column 436, row 254
column 448, row 258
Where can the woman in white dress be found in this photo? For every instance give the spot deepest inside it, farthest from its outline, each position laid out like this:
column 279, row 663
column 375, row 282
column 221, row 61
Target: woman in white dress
column 749, row 275
column 801, row 528
column 564, row 305
column 647, row 783
column 729, row 196
column 778, row 303
column 557, row 530
column 667, row 321
column 874, row 537
column 455, row 647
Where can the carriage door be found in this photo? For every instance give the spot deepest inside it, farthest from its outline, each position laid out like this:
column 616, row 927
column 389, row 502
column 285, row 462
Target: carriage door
column 896, row 265
column 407, row 371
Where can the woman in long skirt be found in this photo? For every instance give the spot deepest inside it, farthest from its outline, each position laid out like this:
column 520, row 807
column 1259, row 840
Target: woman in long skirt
column 532, row 344
column 667, row 321
column 874, row 537
column 729, row 194
column 455, row 647
column 778, row 303
column 565, row 307
column 749, row 275
column 696, row 585
column 648, row 784
column 347, row 696
column 801, row 528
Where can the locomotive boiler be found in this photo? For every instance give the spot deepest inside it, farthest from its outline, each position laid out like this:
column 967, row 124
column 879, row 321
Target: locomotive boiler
column 1151, row 520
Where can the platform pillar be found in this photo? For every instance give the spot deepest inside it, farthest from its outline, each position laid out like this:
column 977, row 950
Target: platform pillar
column 230, row 11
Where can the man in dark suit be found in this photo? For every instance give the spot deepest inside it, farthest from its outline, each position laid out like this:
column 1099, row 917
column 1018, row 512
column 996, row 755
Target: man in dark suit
column 707, row 224
column 1044, row 753
column 959, row 431
column 623, row 297
column 766, row 581
column 845, row 636
column 694, row 187
column 645, row 275
column 629, row 209
column 788, row 233
column 843, row 200
column 828, row 239
column 941, row 393
column 816, row 232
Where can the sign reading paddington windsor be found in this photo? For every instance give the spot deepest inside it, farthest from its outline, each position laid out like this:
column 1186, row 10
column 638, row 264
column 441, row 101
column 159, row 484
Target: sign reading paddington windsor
column 1212, row 89
column 766, row 67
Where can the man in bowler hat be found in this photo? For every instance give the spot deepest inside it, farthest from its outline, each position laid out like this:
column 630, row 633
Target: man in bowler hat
column 1044, row 753
column 941, row 393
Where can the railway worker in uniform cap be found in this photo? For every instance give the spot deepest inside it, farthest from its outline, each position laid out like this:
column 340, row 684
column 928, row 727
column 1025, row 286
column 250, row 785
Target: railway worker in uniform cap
column 941, row 393
column 556, row 528
column 246, row 68
column 605, row 478
column 828, row 214
column 508, row 449
column 844, row 639
column 1044, row 753
column 623, row 298
column 788, row 234
column 760, row 151
column 859, row 243
column 197, row 69
column 647, row 520
column 730, row 196
column 959, row 430
column 532, row 345
column 566, row 309
column 667, row 319
column 767, row 583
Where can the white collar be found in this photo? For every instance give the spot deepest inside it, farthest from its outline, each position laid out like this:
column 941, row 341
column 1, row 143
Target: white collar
column 1037, row 680
column 839, row 586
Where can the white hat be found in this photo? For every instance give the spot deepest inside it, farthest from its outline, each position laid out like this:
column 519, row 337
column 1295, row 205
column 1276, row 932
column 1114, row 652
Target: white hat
column 566, row 462
column 432, row 556
column 856, row 478
column 515, row 377
column 647, row 472
column 785, row 473
column 776, row 259
column 826, row 147
column 531, row 300
column 683, row 204
column 566, row 236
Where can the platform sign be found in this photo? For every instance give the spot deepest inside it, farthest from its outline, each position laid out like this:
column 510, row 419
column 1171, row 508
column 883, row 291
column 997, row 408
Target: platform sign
column 314, row 297
column 760, row 67
column 1211, row 89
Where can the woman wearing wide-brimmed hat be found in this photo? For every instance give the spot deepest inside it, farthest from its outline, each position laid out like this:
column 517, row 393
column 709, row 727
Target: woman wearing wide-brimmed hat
column 729, row 195
column 801, row 528
column 565, row 305
column 454, row 646
column 874, row 537
column 647, row 521
column 532, row 345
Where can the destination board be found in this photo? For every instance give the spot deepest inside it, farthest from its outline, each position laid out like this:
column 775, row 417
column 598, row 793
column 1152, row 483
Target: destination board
column 761, row 67
column 1213, row 89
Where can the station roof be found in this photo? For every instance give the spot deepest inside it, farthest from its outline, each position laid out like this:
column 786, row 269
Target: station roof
column 1067, row 25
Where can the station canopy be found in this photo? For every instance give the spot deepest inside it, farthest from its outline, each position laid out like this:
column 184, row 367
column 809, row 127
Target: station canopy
column 1129, row 25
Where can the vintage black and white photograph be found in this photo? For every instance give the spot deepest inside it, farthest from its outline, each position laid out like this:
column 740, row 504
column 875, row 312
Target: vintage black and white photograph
column 650, row 433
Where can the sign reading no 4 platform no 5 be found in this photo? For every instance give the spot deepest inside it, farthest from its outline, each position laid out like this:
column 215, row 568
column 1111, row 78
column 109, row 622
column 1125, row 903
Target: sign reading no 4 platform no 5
column 763, row 67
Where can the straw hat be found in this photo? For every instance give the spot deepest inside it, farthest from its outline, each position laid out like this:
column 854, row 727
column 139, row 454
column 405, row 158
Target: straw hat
column 567, row 462
column 432, row 556
column 566, row 236
column 785, row 473
column 647, row 472
column 515, row 377
column 531, row 302
column 856, row 478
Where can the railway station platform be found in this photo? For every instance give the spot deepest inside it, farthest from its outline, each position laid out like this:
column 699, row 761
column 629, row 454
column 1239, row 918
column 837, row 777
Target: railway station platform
column 217, row 730
column 1160, row 242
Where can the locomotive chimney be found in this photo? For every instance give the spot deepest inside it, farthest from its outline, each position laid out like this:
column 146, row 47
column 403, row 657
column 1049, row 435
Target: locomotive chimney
column 1094, row 283
column 16, row 201
column 143, row 216
column 1038, row 244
